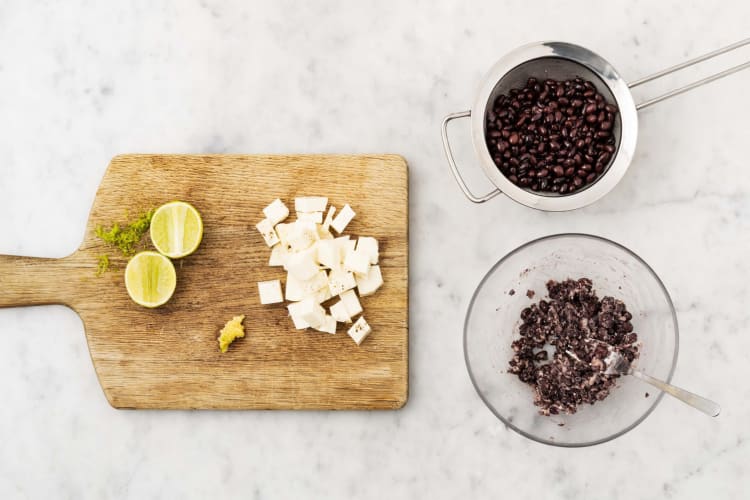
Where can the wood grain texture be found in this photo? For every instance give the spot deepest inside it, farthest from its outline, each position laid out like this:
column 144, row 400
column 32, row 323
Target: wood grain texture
column 169, row 357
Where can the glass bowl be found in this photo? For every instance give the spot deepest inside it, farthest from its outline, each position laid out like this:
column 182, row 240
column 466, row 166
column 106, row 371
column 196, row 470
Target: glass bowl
column 494, row 316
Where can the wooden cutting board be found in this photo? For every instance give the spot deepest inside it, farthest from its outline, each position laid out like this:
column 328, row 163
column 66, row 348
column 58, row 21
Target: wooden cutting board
column 169, row 357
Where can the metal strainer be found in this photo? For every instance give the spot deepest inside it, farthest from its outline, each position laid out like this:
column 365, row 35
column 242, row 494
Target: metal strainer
column 563, row 61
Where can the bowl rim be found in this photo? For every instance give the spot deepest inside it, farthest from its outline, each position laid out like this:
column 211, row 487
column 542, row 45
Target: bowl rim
column 617, row 434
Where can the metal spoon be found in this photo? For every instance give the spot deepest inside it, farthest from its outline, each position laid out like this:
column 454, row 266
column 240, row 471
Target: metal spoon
column 619, row 365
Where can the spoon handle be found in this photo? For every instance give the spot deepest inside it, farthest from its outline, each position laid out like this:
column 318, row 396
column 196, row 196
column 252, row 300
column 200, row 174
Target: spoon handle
column 705, row 405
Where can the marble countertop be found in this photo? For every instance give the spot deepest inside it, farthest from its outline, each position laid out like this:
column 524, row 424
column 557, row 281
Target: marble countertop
column 83, row 81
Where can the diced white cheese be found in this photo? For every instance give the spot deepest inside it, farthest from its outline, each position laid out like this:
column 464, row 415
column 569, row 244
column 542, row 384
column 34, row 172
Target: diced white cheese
column 329, row 217
column 359, row 330
column 328, row 254
column 340, row 281
column 270, row 292
column 369, row 246
column 307, row 247
column 311, row 313
column 295, row 309
column 302, row 236
column 299, row 289
column 303, row 265
column 328, row 325
column 266, row 230
column 339, row 312
column 350, row 300
column 357, row 262
column 316, row 217
column 279, row 255
column 343, row 219
column 310, row 204
column 368, row 284
column 276, row 212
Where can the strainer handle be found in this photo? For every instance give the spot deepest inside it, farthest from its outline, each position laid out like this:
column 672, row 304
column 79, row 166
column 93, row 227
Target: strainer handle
column 452, row 162
column 686, row 64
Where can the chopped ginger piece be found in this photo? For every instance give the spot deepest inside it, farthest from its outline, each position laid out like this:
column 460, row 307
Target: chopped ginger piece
column 232, row 330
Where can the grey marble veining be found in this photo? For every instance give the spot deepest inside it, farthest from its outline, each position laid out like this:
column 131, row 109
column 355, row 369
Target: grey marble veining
column 83, row 81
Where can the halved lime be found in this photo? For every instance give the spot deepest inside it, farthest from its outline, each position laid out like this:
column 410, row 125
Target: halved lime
column 176, row 229
column 150, row 279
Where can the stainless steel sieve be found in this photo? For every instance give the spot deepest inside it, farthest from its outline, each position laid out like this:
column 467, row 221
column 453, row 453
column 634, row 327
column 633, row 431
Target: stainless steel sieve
column 563, row 61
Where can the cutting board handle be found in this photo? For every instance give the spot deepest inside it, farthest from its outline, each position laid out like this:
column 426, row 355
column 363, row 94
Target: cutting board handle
column 34, row 281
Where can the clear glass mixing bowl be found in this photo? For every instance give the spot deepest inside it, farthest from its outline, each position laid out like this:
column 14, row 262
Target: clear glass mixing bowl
column 494, row 316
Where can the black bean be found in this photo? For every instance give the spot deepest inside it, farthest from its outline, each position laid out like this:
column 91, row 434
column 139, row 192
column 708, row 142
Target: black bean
column 551, row 135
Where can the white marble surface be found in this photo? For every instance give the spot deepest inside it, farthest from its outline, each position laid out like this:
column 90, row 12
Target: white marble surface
column 82, row 81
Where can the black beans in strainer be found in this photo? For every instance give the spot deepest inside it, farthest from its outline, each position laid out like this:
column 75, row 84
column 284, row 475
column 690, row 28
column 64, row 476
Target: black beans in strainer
column 552, row 136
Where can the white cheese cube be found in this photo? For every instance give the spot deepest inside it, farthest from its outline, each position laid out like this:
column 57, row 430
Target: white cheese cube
column 323, row 294
column 328, row 325
column 328, row 254
column 276, row 212
column 310, row 204
column 311, row 313
column 284, row 230
column 350, row 300
column 316, row 217
column 270, row 292
column 279, row 255
column 303, row 265
column 302, row 289
column 357, row 262
column 369, row 246
column 359, row 330
column 329, row 217
column 343, row 219
column 340, row 281
column 345, row 245
column 368, row 284
column 266, row 230
column 339, row 312
column 294, row 291
column 302, row 236
column 295, row 309
column 324, row 234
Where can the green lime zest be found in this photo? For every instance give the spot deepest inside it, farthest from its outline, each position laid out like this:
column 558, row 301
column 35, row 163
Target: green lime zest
column 125, row 238
column 102, row 264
